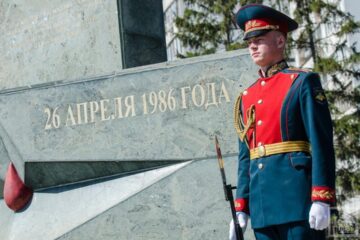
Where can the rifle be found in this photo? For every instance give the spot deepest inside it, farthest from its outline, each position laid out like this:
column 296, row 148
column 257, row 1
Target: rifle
column 228, row 192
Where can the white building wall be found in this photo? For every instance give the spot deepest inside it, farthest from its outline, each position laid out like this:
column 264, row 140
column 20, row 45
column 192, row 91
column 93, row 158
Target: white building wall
column 172, row 9
column 353, row 6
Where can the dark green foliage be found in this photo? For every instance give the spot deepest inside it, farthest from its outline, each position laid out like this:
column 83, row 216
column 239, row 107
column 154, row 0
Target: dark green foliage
column 208, row 25
column 343, row 227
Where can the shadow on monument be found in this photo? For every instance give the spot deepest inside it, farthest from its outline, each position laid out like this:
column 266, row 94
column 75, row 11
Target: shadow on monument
column 55, row 177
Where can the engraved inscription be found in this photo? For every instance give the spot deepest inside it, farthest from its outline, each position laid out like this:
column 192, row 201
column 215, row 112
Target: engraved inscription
column 203, row 95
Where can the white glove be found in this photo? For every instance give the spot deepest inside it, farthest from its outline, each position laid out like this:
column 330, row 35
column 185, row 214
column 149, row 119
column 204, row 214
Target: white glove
column 319, row 216
column 242, row 218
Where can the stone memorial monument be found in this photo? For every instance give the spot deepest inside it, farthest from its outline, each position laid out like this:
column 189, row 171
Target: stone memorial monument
column 94, row 145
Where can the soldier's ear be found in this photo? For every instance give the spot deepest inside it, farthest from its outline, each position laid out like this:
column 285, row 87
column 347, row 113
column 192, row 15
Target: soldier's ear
column 281, row 40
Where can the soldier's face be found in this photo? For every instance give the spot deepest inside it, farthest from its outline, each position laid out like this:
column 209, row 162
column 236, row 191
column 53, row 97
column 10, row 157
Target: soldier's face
column 267, row 49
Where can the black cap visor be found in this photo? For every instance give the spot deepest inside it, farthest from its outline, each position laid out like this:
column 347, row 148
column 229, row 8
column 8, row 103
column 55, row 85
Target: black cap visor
column 255, row 33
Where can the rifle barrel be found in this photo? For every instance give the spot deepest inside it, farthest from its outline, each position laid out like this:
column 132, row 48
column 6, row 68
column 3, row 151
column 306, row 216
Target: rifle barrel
column 228, row 192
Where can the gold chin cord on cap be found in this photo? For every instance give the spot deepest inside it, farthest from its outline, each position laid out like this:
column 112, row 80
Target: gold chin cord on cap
column 240, row 126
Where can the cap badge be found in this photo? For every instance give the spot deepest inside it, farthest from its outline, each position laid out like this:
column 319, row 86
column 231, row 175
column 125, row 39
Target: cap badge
column 252, row 24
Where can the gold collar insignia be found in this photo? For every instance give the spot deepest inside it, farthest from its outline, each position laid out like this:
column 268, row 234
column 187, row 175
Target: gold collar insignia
column 275, row 68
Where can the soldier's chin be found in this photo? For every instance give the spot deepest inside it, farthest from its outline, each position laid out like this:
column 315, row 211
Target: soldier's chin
column 258, row 60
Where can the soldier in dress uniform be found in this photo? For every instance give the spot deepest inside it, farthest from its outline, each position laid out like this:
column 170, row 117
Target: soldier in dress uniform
column 286, row 173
